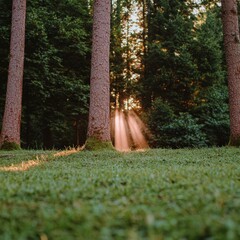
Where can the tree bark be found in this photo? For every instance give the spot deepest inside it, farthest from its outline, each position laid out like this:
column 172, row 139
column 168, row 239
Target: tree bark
column 99, row 112
column 232, row 52
column 13, row 105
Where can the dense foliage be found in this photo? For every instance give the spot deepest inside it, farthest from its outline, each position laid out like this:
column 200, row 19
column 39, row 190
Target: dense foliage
column 175, row 131
column 185, row 67
column 56, row 74
column 213, row 114
column 170, row 50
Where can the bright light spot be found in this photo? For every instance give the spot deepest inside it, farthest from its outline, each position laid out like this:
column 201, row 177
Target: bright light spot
column 136, row 127
column 120, row 132
column 131, row 103
column 129, row 131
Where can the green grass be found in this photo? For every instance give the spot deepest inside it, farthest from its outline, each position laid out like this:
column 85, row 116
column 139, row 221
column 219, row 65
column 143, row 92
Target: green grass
column 157, row 194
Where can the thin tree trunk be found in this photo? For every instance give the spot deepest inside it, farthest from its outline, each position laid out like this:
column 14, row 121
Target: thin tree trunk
column 13, row 106
column 99, row 112
column 147, row 98
column 232, row 52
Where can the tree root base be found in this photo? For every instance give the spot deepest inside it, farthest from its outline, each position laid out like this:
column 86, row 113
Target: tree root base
column 10, row 146
column 93, row 144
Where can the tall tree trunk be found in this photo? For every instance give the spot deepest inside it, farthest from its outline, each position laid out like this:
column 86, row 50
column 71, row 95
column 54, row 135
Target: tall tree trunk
column 10, row 135
column 99, row 112
column 147, row 38
column 232, row 52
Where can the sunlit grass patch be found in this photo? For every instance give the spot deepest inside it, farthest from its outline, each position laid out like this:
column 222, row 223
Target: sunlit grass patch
column 38, row 157
column 24, row 166
column 67, row 152
column 8, row 158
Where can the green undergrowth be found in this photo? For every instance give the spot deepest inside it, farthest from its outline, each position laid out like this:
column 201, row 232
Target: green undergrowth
column 157, row 194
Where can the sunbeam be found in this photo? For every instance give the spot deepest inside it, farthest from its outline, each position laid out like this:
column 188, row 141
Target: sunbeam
column 136, row 129
column 129, row 131
column 121, row 135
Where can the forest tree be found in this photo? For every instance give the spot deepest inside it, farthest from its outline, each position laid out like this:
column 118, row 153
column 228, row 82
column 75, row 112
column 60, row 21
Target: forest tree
column 10, row 135
column 99, row 113
column 232, row 53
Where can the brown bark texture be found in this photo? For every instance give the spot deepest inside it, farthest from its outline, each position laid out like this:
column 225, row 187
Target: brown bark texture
column 13, row 104
column 232, row 52
column 99, row 112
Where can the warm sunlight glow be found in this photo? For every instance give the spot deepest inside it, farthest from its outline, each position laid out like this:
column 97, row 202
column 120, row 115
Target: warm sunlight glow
column 120, row 132
column 129, row 131
column 136, row 128
column 131, row 103
column 24, row 166
column 67, row 152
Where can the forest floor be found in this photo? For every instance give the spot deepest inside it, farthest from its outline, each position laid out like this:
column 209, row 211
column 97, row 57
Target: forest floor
column 156, row 194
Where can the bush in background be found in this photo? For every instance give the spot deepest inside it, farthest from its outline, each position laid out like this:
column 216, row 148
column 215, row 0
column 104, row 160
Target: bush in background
column 213, row 114
column 172, row 130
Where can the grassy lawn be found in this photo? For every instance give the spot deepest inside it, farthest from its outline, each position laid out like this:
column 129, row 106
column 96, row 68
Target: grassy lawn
column 157, row 194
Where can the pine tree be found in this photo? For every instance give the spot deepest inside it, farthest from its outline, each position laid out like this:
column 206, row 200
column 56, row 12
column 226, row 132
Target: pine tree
column 232, row 53
column 99, row 112
column 10, row 135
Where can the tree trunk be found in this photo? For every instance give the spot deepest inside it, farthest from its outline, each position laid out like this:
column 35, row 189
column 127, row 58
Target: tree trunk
column 10, row 135
column 99, row 112
column 232, row 52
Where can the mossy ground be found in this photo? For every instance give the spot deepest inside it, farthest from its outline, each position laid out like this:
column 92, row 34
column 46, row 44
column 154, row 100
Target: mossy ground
column 93, row 144
column 157, row 194
column 10, row 146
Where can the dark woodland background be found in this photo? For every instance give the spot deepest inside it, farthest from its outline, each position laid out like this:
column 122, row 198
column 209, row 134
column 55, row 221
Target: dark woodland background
column 167, row 63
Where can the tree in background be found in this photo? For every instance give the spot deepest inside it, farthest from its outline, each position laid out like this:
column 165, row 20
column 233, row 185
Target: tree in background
column 56, row 72
column 232, row 53
column 170, row 68
column 184, row 67
column 10, row 135
column 99, row 111
column 117, row 64
column 211, row 101
column 126, row 51
column 5, row 30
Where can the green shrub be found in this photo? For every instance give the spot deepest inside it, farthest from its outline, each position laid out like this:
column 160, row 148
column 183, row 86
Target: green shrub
column 213, row 114
column 174, row 131
column 183, row 131
column 160, row 114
